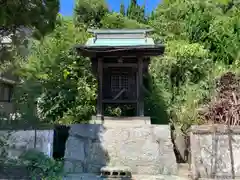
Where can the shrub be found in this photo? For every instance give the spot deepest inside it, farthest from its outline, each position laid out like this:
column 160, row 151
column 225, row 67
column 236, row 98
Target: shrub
column 41, row 166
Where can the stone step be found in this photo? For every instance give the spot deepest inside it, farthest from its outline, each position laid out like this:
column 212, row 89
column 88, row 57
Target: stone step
column 134, row 177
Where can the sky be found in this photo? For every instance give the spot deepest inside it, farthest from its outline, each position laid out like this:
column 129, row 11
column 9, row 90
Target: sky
column 66, row 6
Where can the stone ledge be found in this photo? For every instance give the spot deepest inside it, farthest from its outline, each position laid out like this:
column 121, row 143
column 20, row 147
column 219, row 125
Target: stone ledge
column 238, row 178
column 215, row 128
column 134, row 177
column 115, row 168
column 137, row 120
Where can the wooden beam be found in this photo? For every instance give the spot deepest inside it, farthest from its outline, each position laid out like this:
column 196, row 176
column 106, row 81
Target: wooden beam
column 140, row 103
column 100, row 90
column 110, row 101
column 132, row 65
column 119, row 94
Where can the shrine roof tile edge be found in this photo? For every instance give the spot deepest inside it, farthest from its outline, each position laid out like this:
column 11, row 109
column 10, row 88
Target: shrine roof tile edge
column 119, row 31
column 120, row 42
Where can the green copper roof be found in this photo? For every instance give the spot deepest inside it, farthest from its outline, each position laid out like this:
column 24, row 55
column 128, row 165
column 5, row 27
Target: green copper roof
column 119, row 31
column 119, row 42
column 116, row 37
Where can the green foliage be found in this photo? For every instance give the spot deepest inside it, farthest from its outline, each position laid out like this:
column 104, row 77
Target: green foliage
column 18, row 20
column 224, row 39
column 37, row 14
column 136, row 12
column 183, row 66
column 155, row 101
column 204, row 22
column 41, row 166
column 122, row 9
column 202, row 40
column 4, row 144
column 116, row 112
column 90, row 12
column 118, row 21
column 56, row 79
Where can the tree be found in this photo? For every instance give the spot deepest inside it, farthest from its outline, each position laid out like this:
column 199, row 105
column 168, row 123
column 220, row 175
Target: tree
column 117, row 21
column 122, row 9
column 90, row 12
column 202, row 39
column 134, row 11
column 38, row 15
column 56, row 80
column 20, row 19
column 202, row 23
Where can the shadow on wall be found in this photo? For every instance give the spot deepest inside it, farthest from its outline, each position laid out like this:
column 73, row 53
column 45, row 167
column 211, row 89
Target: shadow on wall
column 59, row 141
column 155, row 106
column 84, row 152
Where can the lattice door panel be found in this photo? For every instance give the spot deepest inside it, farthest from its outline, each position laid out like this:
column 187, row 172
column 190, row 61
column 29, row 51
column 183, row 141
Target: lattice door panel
column 119, row 83
column 123, row 86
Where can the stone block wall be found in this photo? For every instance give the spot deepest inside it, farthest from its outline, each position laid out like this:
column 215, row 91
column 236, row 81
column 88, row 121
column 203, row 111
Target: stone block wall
column 211, row 155
column 19, row 141
column 146, row 149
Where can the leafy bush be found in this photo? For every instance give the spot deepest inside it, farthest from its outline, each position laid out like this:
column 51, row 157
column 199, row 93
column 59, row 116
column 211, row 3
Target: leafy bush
column 4, row 145
column 41, row 166
column 55, row 80
column 202, row 40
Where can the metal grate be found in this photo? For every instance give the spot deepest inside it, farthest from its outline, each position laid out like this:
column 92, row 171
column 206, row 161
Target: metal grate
column 116, row 172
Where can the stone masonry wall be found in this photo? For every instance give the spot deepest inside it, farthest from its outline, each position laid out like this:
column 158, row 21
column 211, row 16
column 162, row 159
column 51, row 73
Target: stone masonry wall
column 19, row 141
column 146, row 149
column 210, row 151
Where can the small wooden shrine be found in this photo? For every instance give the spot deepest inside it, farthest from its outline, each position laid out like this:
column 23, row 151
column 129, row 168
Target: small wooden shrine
column 120, row 58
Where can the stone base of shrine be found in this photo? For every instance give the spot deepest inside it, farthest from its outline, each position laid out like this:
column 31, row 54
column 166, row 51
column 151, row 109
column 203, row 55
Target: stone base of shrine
column 145, row 149
column 107, row 120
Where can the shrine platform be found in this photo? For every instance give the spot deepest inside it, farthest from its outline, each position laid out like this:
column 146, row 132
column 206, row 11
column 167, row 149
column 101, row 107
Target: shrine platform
column 123, row 121
column 144, row 148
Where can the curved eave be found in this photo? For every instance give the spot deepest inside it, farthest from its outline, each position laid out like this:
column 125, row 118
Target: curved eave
column 94, row 51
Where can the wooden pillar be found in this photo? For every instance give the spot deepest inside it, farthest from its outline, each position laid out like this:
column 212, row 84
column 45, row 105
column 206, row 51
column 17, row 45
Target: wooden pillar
column 100, row 94
column 140, row 100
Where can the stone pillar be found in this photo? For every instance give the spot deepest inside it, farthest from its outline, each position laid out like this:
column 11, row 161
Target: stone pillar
column 140, row 100
column 100, row 82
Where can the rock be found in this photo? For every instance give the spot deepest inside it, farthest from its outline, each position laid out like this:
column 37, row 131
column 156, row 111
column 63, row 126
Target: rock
column 72, row 166
column 69, row 166
column 76, row 149
column 210, row 154
column 86, row 130
column 20, row 141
